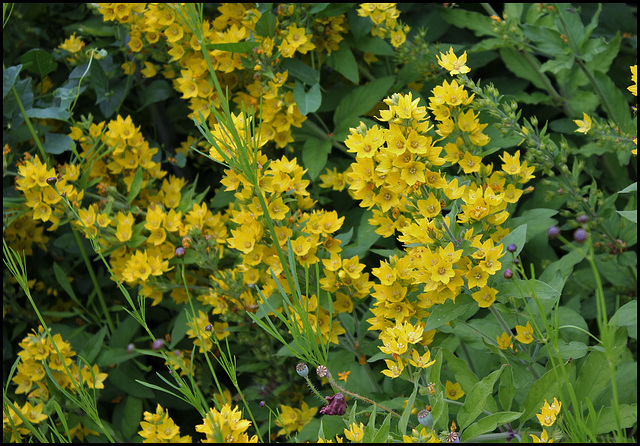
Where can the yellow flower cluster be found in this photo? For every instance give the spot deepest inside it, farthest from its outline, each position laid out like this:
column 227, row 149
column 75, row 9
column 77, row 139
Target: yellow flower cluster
column 32, row 413
column 73, row 46
column 255, row 78
column 225, row 426
column 158, row 427
column 547, row 418
column 398, row 174
column 31, row 377
column 385, row 22
column 292, row 419
column 397, row 341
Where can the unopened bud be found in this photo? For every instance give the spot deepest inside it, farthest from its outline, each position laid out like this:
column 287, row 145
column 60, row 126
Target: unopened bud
column 302, row 369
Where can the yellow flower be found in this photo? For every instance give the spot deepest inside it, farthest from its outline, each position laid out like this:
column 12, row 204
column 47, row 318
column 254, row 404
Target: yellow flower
column 583, row 125
column 634, row 78
column 343, row 376
column 554, row 407
column 454, row 65
column 355, row 433
column 73, row 44
column 504, row 341
column 544, row 438
column 485, row 297
column 453, row 391
column 547, row 417
column 525, row 333
column 33, row 414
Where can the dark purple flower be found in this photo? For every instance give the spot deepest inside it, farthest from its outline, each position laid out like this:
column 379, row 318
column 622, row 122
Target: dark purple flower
column 337, row 405
column 508, row 273
column 512, row 247
column 553, row 231
column 582, row 218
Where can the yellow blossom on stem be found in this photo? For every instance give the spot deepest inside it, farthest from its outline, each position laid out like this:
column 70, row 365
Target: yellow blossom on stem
column 544, row 438
column 504, row 341
column 525, row 333
column 355, row 433
column 453, row 64
column 584, row 125
column 453, row 391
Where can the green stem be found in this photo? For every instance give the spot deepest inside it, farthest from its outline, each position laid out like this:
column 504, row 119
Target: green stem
column 94, row 280
column 27, row 121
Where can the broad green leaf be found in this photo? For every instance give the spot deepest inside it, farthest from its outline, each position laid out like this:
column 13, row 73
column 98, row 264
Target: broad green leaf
column 540, row 289
column 124, row 377
column 344, row 63
column 157, row 91
column 233, row 47
column 9, row 77
column 57, row 143
column 571, row 350
column 626, row 316
column 518, row 65
column 127, row 416
column 267, row 24
column 506, row 389
column 307, row 102
column 383, row 431
column 546, row 39
column 180, row 328
column 620, row 110
column 314, row 155
column 630, row 188
column 301, row 71
column 607, row 418
column 92, row 348
column 57, row 113
column 460, row 369
column 448, row 311
column 361, row 100
column 476, row 399
column 481, row 24
column 594, row 376
column 537, row 220
column 370, row 428
column 38, row 62
column 632, row 216
column 545, row 388
column 489, row 424
column 113, row 356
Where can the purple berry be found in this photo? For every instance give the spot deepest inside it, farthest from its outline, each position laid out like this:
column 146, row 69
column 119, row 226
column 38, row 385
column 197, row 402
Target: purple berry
column 512, row 247
column 582, row 219
column 180, row 251
column 580, row 235
column 508, row 273
column 262, row 404
column 157, row 344
column 130, row 348
column 553, row 231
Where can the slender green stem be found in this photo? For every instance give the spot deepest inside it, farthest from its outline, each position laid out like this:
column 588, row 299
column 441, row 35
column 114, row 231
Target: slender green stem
column 94, row 280
column 27, row 121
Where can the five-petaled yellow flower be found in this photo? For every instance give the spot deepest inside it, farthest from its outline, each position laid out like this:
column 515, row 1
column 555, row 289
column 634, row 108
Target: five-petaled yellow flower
column 453, row 391
column 504, row 341
column 454, row 65
column 544, row 438
column 525, row 334
column 584, row 125
column 344, row 375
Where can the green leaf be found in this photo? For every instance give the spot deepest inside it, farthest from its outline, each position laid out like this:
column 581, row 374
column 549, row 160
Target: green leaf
column 629, row 215
column 630, row 188
column 38, row 62
column 571, row 350
column 594, row 376
column 460, row 369
column 127, row 415
column 404, row 418
column 233, row 47
column 314, row 155
column 124, row 377
column 344, row 63
column 620, row 110
column 383, row 431
column 301, row 71
column 9, row 78
column 63, row 281
column 481, row 24
column 477, row 398
column 546, row 39
column 57, row 143
column 517, row 64
column 156, row 91
column 448, row 311
column 267, row 24
column 361, row 100
column 626, row 316
column 99, row 81
column 93, row 346
column 370, row 428
column 136, row 185
column 607, row 418
column 506, row 389
column 307, row 102
column 488, row 424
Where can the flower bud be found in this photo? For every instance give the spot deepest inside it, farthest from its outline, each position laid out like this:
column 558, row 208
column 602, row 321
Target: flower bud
column 425, row 418
column 453, row 437
column 580, row 235
column 180, row 251
column 582, row 219
column 508, row 273
column 553, row 231
column 512, row 247
column 130, row 348
column 157, row 344
column 51, row 181
column 302, row 369
column 262, row 404
column 208, row 327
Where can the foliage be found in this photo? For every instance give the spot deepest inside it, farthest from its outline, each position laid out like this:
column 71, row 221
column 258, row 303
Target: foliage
column 426, row 212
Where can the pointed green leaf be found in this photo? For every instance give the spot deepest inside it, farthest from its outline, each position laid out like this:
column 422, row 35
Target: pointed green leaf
column 477, row 398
